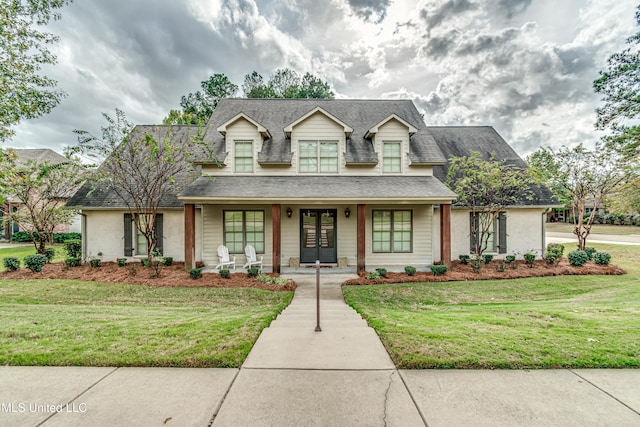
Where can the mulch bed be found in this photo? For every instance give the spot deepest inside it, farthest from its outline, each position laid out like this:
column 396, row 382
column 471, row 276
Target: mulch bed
column 171, row 276
column 460, row 272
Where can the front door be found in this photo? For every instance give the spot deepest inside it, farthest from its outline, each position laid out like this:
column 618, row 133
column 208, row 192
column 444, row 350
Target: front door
column 318, row 235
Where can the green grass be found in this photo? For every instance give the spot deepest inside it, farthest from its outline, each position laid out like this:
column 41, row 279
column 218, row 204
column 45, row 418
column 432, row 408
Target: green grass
column 551, row 322
column 22, row 251
column 616, row 230
column 61, row 322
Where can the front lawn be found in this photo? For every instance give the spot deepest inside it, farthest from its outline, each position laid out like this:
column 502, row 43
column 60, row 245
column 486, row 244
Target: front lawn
column 21, row 251
column 616, row 230
column 66, row 322
column 549, row 322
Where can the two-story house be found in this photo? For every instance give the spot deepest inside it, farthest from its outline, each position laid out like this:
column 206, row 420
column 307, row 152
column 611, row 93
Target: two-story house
column 355, row 183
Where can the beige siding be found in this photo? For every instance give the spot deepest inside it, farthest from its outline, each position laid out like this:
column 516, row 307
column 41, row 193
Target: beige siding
column 318, row 127
column 422, row 253
column 105, row 234
column 214, row 237
column 525, row 232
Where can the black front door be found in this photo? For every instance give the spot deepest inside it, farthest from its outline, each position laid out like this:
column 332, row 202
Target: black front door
column 318, row 235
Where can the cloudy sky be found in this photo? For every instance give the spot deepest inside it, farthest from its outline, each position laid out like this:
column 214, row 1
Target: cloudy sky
column 525, row 67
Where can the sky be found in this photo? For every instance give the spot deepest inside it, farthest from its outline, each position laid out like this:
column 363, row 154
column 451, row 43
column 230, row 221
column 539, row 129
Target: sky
column 524, row 67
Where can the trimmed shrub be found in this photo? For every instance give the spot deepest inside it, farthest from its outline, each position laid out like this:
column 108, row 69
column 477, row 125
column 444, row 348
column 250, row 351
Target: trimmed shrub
column 382, row 272
column 411, row 271
column 510, row 259
column 464, row 259
column 22, row 237
column 590, row 252
column 49, row 253
column 35, row 262
column 551, row 258
column 121, row 262
column 438, row 270
column 225, row 273
column 556, row 248
column 73, row 248
column 61, row 237
column 253, row 271
column 72, row 262
column 487, row 258
column 167, row 261
column 373, row 275
column 529, row 259
column 94, row 262
column 195, row 273
column 578, row 258
column 602, row 258
column 11, row 263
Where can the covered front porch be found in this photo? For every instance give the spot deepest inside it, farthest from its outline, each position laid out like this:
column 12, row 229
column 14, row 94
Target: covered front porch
column 361, row 221
column 344, row 237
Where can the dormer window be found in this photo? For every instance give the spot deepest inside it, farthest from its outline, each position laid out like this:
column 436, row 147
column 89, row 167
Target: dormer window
column 319, row 156
column 391, row 157
column 243, row 156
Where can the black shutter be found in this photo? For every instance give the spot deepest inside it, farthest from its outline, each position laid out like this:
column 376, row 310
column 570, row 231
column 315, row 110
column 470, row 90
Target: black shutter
column 128, row 235
column 473, row 235
column 502, row 233
column 159, row 234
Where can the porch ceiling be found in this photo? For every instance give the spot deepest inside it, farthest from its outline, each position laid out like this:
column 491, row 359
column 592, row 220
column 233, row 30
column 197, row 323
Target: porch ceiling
column 424, row 189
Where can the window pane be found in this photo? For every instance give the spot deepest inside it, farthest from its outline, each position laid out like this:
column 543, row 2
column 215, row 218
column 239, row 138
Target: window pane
column 391, row 160
column 244, row 156
column 308, row 156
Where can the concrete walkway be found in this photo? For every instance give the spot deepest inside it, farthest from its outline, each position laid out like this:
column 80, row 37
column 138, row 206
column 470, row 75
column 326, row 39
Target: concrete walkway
column 295, row 376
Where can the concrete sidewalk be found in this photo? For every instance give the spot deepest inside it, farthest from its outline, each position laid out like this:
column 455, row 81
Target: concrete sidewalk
column 295, row 376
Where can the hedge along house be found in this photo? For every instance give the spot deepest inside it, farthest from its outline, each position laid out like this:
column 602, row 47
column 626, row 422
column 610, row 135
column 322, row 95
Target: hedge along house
column 347, row 182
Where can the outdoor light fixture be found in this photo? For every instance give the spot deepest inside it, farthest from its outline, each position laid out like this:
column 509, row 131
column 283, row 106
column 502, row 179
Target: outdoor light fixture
column 347, row 212
column 289, row 212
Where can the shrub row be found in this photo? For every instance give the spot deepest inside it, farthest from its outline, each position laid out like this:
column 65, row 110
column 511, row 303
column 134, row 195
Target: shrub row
column 23, row 237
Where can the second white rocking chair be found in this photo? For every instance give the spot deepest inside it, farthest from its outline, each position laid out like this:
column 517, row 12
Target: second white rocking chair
column 252, row 259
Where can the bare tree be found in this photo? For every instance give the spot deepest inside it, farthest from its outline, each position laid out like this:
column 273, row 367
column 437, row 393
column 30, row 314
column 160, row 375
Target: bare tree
column 143, row 166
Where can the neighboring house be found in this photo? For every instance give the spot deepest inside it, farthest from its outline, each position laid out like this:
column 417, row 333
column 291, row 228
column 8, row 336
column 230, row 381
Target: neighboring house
column 356, row 183
column 38, row 155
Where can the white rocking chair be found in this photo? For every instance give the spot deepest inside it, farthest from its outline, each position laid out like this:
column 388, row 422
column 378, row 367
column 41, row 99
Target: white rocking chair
column 252, row 259
column 224, row 261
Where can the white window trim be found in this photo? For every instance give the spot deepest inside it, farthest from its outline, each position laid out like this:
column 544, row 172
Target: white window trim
column 399, row 143
column 318, row 143
column 235, row 157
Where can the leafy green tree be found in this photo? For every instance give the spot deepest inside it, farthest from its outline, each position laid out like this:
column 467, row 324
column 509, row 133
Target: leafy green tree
column 286, row 83
column 25, row 93
column 486, row 188
column 41, row 190
column 197, row 107
column 620, row 86
column 577, row 177
column 255, row 87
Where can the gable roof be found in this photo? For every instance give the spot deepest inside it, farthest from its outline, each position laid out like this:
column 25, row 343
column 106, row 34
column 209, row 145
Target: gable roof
column 458, row 141
column 89, row 196
column 39, row 155
column 361, row 115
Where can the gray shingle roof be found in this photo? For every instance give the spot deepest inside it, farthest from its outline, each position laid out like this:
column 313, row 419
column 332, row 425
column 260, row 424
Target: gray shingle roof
column 462, row 140
column 361, row 115
column 39, row 155
column 92, row 196
column 352, row 188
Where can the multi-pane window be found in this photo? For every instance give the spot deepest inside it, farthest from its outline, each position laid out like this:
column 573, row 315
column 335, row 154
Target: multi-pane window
column 242, row 228
column 243, row 156
column 319, row 156
column 489, row 232
column 392, row 231
column 391, row 157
